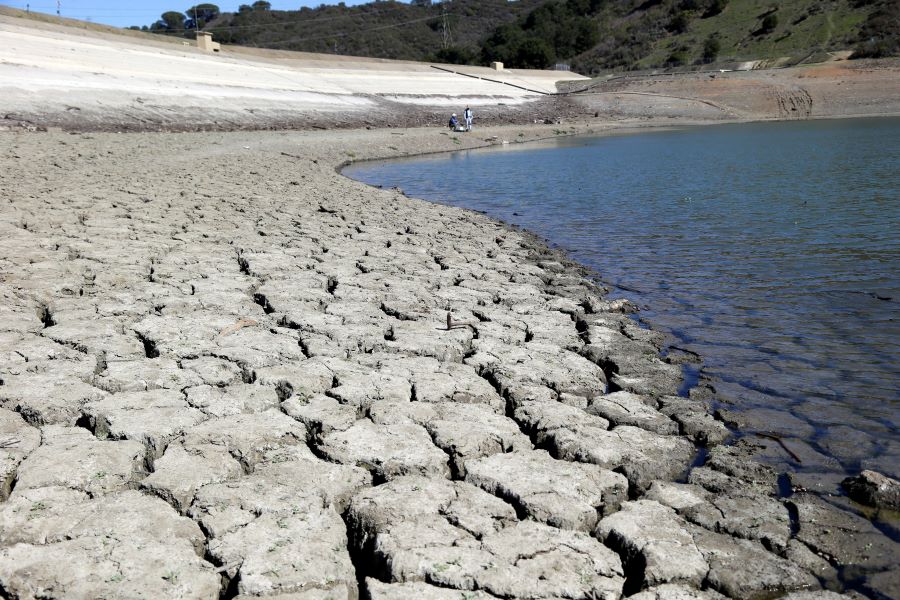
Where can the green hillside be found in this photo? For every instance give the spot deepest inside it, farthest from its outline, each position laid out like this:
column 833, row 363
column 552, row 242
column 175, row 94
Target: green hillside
column 591, row 35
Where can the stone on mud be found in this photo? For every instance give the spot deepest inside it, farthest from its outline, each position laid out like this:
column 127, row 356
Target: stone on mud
column 874, row 489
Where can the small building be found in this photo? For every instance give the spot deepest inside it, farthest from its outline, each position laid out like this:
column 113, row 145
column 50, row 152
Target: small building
column 205, row 42
column 497, row 66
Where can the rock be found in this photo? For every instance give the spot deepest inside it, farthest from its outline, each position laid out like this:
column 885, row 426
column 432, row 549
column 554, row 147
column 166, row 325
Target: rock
column 843, row 537
column 625, row 408
column 575, row 435
column 388, row 452
column 152, row 418
column 744, row 569
column 17, row 441
column 72, row 457
column 655, row 542
column 874, row 489
column 561, row 494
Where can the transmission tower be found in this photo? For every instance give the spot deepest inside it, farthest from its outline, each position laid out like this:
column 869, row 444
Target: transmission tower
column 446, row 35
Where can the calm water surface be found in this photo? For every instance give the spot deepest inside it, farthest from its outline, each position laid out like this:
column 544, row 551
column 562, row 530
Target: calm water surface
column 770, row 249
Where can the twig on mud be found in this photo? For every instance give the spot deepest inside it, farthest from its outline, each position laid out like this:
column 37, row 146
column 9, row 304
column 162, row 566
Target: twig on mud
column 9, row 443
column 781, row 443
column 238, row 326
column 451, row 324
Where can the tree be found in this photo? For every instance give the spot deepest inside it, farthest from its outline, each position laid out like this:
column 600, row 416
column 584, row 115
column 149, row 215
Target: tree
column 715, row 7
column 711, row 49
column 533, row 53
column 173, row 20
column 769, row 23
column 262, row 5
column 680, row 22
column 200, row 15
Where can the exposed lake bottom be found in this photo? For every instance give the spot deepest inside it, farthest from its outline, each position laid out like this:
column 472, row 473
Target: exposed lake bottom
column 768, row 249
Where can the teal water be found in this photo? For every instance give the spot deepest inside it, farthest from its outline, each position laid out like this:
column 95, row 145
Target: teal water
column 770, row 249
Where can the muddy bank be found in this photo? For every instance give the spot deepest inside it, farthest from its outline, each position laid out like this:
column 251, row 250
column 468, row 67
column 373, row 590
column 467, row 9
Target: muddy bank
column 227, row 371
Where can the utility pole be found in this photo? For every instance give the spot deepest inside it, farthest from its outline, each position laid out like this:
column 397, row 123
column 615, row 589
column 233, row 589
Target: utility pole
column 57, row 7
column 446, row 35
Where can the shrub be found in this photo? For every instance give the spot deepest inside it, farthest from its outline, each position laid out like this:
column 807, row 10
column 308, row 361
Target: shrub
column 711, row 49
column 769, row 23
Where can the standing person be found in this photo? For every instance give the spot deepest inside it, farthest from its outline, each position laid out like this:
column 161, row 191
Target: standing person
column 468, row 116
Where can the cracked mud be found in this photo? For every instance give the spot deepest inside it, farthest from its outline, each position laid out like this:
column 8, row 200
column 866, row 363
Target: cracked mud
column 227, row 372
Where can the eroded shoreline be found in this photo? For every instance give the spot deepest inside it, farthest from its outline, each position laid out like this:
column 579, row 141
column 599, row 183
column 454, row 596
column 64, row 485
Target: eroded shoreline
column 234, row 363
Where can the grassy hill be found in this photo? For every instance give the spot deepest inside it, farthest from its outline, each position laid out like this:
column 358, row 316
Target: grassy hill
column 385, row 29
column 591, row 35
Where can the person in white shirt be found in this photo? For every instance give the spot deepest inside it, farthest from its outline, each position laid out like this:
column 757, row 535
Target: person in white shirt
column 468, row 117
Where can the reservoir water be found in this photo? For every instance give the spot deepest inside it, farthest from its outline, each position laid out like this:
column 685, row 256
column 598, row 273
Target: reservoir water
column 771, row 249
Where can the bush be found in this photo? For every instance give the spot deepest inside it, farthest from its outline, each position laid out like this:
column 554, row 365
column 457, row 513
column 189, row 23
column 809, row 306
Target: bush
column 715, row 7
column 679, row 22
column 711, row 49
column 769, row 23
column 879, row 37
column 677, row 59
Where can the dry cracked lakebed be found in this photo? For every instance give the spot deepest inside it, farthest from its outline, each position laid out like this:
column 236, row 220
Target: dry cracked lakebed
column 227, row 373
